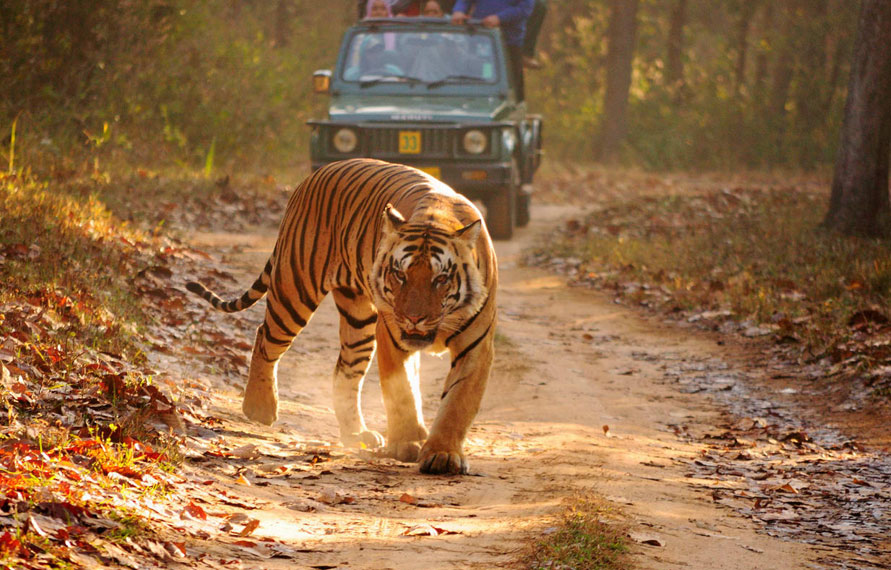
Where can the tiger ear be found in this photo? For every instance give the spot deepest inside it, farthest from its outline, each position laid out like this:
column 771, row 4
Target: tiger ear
column 470, row 233
column 393, row 220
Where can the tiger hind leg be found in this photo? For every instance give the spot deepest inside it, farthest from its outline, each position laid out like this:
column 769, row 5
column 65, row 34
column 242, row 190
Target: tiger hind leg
column 260, row 401
column 282, row 324
column 357, row 343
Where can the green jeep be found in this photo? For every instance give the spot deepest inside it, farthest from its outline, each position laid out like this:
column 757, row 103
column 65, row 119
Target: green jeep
column 439, row 97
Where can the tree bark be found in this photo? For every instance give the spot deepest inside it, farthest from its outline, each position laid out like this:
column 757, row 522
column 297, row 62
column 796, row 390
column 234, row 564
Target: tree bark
column 811, row 79
column 282, row 24
column 784, row 65
column 620, row 53
column 742, row 41
column 674, row 65
column 859, row 203
column 761, row 60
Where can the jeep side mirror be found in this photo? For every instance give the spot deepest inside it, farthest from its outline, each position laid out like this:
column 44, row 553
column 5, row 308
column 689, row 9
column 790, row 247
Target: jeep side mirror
column 321, row 81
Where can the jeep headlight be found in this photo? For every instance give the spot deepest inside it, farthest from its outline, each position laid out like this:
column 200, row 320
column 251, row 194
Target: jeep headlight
column 508, row 140
column 345, row 140
column 474, row 141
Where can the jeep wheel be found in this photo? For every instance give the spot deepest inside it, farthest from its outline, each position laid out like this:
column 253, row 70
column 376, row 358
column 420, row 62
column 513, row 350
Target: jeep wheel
column 500, row 213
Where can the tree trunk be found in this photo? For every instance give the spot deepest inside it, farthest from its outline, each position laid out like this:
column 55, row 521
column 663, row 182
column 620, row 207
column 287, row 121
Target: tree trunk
column 784, row 65
column 761, row 59
column 620, row 52
column 834, row 76
column 742, row 41
column 284, row 16
column 859, row 202
column 674, row 66
column 811, row 78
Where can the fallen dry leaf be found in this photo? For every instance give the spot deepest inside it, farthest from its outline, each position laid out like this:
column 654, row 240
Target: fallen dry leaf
column 335, row 497
column 249, row 528
column 249, row 451
column 787, row 488
column 648, row 539
column 427, row 530
column 414, row 501
column 194, row 511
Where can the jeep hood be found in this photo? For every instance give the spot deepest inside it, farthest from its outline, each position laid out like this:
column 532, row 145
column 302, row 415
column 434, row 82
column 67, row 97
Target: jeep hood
column 417, row 108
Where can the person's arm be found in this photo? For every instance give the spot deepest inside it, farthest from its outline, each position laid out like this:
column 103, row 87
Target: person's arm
column 518, row 10
column 401, row 6
column 460, row 10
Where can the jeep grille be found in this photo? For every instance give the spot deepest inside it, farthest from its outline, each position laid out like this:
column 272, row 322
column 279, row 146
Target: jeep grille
column 384, row 142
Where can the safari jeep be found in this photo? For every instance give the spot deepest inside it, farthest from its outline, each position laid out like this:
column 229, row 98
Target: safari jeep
column 439, row 97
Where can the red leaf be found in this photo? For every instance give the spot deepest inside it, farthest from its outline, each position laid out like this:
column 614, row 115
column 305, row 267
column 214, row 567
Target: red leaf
column 195, row 511
column 9, row 544
column 250, row 527
column 176, row 548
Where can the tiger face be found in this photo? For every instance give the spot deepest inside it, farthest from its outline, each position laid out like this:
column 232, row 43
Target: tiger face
column 425, row 278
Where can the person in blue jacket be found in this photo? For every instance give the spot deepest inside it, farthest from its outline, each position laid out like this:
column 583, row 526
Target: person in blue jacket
column 510, row 16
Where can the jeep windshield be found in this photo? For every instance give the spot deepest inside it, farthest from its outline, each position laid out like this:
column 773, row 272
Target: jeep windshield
column 409, row 56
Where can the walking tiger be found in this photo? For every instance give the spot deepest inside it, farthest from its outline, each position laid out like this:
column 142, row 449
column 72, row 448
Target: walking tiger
column 411, row 267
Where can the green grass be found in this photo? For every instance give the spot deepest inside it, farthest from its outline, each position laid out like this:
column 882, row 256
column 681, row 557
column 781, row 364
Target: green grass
column 587, row 536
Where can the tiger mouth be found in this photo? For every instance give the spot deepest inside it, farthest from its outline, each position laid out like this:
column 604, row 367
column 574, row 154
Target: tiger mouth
column 419, row 337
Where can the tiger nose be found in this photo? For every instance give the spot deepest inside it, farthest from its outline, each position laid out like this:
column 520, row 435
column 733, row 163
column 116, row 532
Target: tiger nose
column 415, row 319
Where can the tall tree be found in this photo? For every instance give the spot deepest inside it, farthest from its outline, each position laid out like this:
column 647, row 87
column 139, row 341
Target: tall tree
column 674, row 65
column 859, row 203
column 620, row 53
column 747, row 11
column 282, row 24
column 811, row 79
column 765, row 26
column 784, row 62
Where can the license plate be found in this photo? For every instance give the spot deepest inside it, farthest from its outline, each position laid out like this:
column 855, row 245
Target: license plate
column 410, row 142
column 433, row 171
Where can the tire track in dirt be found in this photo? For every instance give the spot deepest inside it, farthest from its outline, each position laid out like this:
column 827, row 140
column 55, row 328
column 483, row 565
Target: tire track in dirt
column 567, row 364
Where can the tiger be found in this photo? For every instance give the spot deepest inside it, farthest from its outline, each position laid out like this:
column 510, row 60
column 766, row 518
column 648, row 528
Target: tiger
column 411, row 268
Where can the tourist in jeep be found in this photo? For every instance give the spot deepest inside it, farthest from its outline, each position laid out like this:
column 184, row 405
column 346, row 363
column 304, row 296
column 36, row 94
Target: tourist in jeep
column 510, row 16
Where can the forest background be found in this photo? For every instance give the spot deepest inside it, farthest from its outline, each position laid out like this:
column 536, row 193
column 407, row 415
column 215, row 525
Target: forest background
column 225, row 84
column 118, row 117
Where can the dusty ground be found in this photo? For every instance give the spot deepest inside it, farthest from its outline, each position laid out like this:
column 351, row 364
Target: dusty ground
column 578, row 401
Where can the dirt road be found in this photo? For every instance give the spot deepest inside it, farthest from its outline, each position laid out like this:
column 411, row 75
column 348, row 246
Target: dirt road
column 577, row 402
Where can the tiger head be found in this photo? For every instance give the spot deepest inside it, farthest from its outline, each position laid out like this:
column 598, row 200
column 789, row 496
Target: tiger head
column 425, row 278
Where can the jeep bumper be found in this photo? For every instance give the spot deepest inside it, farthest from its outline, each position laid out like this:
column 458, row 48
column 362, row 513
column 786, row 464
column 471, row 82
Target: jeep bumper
column 471, row 178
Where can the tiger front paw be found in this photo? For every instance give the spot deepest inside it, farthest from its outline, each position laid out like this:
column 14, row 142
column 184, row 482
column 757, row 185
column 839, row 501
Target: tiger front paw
column 443, row 462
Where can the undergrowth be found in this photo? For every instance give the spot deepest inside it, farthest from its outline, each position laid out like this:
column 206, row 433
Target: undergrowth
column 85, row 431
column 62, row 250
column 752, row 253
column 587, row 536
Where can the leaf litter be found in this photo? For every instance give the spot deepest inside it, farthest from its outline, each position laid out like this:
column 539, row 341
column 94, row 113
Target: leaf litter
column 91, row 441
column 738, row 255
column 799, row 481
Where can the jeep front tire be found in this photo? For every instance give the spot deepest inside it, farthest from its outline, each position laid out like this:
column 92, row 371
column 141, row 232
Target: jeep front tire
column 501, row 211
